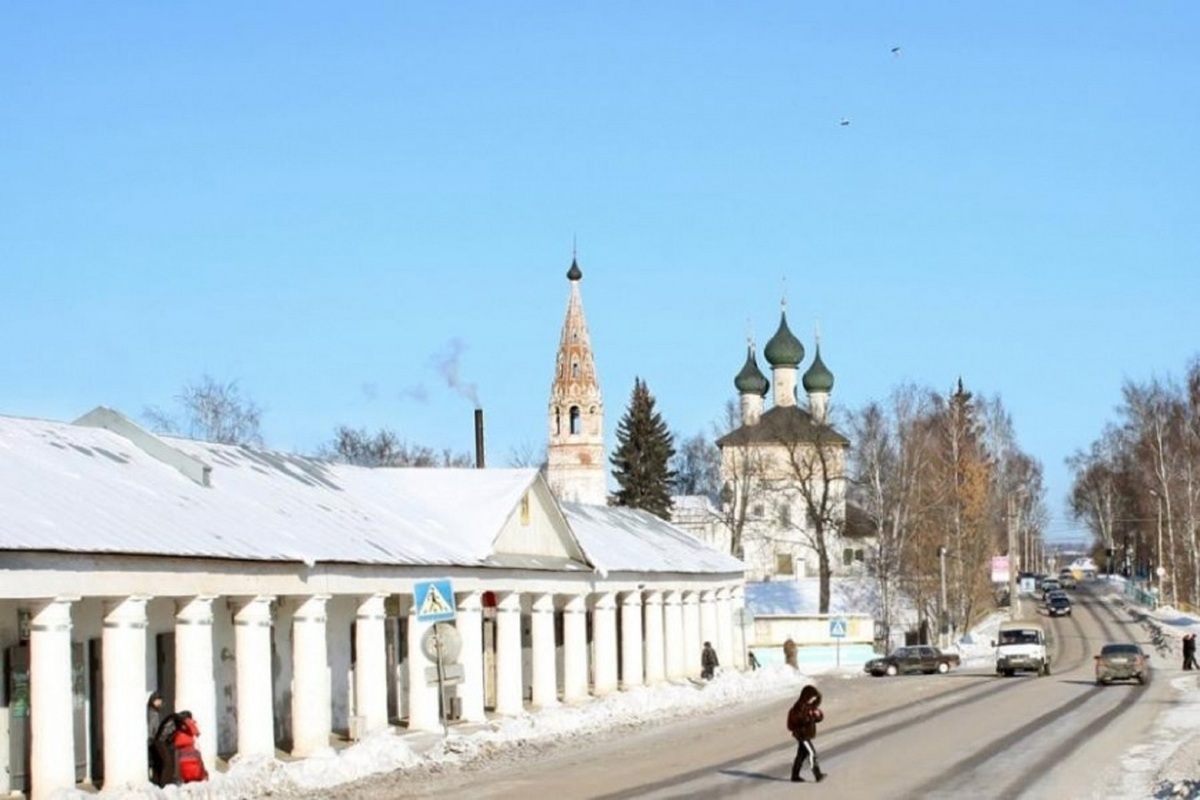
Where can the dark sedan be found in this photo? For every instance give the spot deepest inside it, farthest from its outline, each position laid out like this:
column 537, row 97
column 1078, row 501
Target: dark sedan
column 920, row 658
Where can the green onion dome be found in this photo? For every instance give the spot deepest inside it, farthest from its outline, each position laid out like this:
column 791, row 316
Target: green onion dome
column 817, row 378
column 751, row 380
column 784, row 349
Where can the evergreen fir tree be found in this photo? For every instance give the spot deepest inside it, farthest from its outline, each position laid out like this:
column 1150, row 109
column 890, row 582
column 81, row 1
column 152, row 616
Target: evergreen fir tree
column 642, row 461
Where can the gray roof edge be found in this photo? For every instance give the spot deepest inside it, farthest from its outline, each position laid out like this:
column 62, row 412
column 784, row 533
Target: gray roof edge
column 151, row 445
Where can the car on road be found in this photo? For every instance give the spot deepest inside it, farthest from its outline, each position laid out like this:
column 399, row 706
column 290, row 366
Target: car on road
column 1050, row 585
column 1058, row 604
column 1067, row 579
column 1122, row 661
column 918, row 658
column 1021, row 645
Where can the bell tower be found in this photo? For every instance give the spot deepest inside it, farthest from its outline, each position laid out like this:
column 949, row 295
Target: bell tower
column 575, row 463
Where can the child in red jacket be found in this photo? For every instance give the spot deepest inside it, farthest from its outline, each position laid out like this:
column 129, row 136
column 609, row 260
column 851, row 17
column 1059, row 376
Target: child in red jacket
column 190, row 764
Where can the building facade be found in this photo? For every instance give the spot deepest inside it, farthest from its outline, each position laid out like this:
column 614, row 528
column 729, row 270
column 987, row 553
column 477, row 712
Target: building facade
column 274, row 596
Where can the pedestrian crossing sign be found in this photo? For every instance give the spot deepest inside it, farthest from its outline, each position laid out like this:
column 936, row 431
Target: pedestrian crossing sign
column 837, row 628
column 434, row 601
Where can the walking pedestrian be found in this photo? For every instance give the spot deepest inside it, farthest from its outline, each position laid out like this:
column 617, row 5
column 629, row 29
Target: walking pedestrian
column 789, row 652
column 708, row 661
column 802, row 721
column 1189, row 651
column 752, row 660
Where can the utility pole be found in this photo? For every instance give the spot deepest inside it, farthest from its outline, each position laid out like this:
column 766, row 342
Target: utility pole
column 1014, row 522
column 942, row 610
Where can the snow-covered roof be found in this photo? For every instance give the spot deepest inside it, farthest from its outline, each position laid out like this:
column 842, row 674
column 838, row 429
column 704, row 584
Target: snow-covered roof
column 66, row 487
column 103, row 485
column 619, row 539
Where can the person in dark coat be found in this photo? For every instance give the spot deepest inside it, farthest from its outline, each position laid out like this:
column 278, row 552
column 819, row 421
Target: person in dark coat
column 1189, row 651
column 154, row 749
column 708, row 661
column 753, row 659
column 802, row 721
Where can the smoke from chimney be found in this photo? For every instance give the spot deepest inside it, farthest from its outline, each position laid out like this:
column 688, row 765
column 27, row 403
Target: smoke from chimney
column 479, row 438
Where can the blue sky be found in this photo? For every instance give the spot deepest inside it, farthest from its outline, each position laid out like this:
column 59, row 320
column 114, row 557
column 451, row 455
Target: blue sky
column 325, row 201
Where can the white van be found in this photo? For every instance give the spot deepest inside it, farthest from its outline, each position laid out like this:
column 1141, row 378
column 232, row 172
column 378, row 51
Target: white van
column 1021, row 645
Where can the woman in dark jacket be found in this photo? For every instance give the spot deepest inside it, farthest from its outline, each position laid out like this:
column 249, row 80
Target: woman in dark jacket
column 802, row 722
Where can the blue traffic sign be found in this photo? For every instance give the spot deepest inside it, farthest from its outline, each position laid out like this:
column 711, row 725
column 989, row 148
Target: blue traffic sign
column 434, row 600
column 837, row 628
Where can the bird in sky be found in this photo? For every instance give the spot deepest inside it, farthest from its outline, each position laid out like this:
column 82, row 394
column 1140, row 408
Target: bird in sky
column 844, row 122
column 896, row 51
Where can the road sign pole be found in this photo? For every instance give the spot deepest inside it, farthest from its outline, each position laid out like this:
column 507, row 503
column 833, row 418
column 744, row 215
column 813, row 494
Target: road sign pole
column 441, row 676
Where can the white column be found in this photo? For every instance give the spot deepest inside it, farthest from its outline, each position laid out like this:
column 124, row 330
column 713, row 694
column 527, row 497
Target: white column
column 255, row 693
column 575, row 654
column 311, row 692
column 51, row 750
column 195, row 681
column 724, row 642
column 691, row 634
column 422, row 695
column 708, row 620
column 470, row 628
column 604, row 643
column 631, row 640
column 123, row 648
column 509, row 682
column 370, row 664
column 655, row 665
column 674, row 639
column 545, row 674
column 737, row 607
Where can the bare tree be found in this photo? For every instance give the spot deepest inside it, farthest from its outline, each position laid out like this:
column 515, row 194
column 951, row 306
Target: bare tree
column 211, row 411
column 814, row 474
column 697, row 467
column 385, row 449
column 743, row 480
column 889, row 454
column 527, row 454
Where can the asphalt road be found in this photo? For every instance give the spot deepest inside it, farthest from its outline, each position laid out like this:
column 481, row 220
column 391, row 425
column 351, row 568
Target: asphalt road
column 965, row 734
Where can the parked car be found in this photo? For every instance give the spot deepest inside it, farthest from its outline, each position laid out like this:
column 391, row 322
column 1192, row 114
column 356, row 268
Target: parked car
column 1058, row 604
column 919, row 658
column 1122, row 661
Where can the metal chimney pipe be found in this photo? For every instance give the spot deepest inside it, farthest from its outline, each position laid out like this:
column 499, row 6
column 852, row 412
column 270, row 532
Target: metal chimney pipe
column 479, row 438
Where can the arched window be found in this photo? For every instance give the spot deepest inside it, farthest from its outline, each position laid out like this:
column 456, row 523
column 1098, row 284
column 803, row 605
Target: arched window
column 576, row 421
column 575, row 370
column 557, row 422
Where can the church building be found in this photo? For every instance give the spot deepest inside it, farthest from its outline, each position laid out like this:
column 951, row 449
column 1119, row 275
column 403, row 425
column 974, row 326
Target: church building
column 783, row 469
